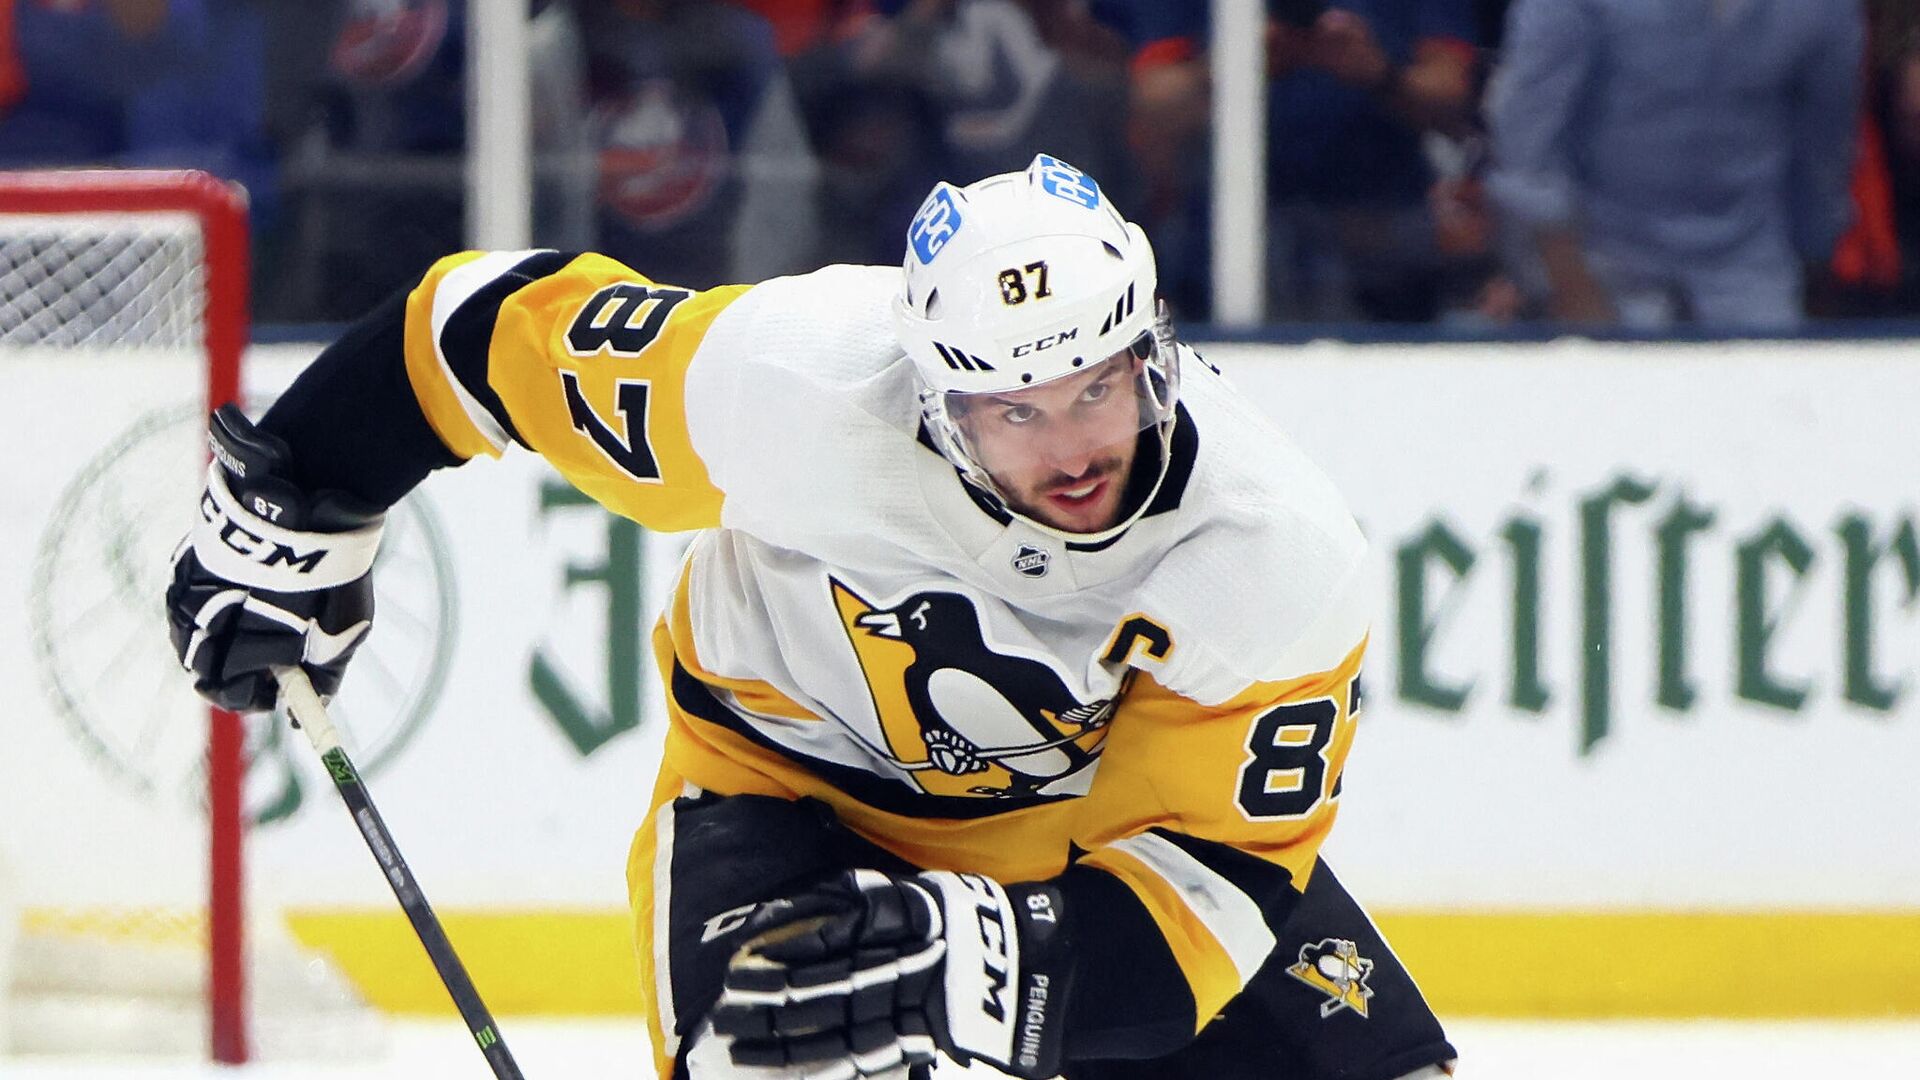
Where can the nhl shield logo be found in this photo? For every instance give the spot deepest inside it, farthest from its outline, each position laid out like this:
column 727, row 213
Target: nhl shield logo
column 1335, row 967
column 1032, row 561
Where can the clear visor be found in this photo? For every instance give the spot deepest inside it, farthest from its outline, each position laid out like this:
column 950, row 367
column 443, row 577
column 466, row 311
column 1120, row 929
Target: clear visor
column 1076, row 424
column 1075, row 416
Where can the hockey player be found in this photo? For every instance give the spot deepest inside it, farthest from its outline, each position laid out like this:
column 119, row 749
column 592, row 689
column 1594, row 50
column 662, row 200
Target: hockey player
column 1009, row 684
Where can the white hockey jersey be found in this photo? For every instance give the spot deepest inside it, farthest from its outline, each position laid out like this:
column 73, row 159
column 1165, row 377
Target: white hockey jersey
column 860, row 626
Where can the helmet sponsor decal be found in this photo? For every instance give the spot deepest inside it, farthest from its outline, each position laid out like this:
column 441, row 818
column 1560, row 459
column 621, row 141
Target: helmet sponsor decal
column 935, row 223
column 1062, row 180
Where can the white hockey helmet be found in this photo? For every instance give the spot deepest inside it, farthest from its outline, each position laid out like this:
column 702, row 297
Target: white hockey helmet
column 1020, row 279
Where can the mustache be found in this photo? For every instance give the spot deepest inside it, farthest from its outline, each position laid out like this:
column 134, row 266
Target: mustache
column 1099, row 470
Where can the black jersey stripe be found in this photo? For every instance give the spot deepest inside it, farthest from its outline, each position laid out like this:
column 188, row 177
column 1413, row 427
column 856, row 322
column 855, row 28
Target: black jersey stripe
column 466, row 337
column 1133, row 999
column 879, row 792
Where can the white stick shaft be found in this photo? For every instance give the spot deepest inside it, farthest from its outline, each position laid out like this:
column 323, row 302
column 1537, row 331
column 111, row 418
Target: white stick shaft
column 303, row 702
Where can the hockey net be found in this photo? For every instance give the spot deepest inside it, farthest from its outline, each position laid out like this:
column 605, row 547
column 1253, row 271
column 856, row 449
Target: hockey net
column 122, row 319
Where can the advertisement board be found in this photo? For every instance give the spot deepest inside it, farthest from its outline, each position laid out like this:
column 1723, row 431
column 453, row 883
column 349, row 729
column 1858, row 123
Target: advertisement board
column 1643, row 676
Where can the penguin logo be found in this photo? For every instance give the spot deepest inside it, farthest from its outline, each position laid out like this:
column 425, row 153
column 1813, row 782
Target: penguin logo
column 961, row 718
column 1335, row 967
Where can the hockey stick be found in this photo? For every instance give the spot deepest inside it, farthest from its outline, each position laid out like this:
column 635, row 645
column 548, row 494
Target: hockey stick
column 309, row 714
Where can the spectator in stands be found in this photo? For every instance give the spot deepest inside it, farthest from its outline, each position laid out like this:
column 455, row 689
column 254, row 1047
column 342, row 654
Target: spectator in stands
column 877, row 129
column 1354, row 88
column 1876, row 269
column 368, row 99
column 703, row 161
column 1009, row 78
column 800, row 26
column 373, row 137
column 912, row 90
column 154, row 83
column 1676, row 161
column 1491, row 21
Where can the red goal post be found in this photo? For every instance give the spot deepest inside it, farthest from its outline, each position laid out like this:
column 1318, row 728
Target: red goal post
column 76, row 273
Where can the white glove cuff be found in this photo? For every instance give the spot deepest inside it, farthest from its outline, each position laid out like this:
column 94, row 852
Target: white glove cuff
column 983, row 963
column 241, row 545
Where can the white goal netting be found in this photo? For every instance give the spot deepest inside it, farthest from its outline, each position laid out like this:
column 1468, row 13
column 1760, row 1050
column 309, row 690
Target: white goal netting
column 101, row 280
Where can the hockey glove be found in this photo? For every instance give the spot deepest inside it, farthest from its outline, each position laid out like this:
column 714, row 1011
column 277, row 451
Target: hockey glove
column 865, row 975
column 269, row 576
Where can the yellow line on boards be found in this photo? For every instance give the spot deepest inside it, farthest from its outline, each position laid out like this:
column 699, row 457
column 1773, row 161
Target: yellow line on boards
column 563, row 963
column 1736, row 965
column 1508, row 964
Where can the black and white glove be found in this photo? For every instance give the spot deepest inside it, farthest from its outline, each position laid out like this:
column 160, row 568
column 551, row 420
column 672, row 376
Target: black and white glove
column 864, row 976
column 269, row 576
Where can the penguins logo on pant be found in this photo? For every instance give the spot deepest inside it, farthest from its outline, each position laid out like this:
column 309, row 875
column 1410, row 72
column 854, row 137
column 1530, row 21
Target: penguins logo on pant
column 1335, row 967
column 960, row 717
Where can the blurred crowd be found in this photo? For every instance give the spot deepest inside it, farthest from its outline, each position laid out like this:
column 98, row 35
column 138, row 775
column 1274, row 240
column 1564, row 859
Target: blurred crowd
column 1742, row 164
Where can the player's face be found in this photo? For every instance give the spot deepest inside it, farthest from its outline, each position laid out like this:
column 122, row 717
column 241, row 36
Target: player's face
column 1061, row 452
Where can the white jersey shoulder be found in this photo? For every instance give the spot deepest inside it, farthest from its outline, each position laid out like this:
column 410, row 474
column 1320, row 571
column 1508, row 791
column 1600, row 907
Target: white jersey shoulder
column 1269, row 579
column 802, row 406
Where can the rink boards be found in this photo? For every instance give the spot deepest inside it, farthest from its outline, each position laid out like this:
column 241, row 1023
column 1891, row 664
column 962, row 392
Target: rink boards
column 1640, row 721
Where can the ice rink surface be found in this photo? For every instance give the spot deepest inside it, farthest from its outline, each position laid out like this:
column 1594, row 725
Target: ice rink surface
column 1491, row 1050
